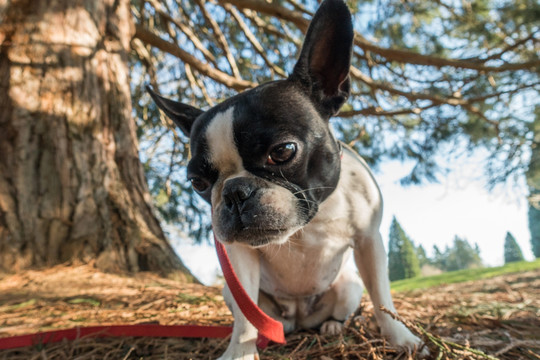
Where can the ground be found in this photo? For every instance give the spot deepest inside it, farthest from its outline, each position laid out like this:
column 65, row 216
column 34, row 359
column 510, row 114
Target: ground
column 491, row 318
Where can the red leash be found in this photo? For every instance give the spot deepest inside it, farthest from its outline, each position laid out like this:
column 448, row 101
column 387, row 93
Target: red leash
column 146, row 330
column 269, row 329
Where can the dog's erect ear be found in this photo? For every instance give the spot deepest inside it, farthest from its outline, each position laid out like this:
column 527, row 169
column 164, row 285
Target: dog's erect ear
column 183, row 115
column 325, row 60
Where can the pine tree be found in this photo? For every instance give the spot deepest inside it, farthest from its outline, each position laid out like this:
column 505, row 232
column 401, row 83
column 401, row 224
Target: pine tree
column 439, row 259
column 402, row 258
column 462, row 255
column 533, row 181
column 422, row 256
column 395, row 266
column 409, row 258
column 512, row 251
column 534, row 228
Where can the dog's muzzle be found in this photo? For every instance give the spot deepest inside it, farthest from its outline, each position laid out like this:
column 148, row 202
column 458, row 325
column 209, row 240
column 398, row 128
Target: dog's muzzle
column 253, row 212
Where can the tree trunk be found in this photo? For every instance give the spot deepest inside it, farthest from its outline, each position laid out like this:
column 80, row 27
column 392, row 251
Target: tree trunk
column 71, row 183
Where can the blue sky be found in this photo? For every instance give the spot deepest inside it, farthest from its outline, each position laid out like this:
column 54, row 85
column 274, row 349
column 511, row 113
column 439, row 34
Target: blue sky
column 430, row 214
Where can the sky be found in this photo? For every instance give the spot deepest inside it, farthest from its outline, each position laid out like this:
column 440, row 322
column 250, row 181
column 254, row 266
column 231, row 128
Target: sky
column 460, row 205
column 431, row 214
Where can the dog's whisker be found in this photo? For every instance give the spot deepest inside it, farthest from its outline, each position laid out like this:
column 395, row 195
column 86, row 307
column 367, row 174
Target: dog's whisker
column 311, row 189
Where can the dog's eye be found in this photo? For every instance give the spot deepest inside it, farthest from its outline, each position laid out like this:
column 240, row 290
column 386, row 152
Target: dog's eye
column 281, row 154
column 199, row 184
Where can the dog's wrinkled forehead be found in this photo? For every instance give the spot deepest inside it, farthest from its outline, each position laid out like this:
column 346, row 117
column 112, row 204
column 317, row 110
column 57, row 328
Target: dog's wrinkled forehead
column 245, row 125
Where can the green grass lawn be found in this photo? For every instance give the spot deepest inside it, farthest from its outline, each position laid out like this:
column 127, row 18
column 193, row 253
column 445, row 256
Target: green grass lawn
column 463, row 275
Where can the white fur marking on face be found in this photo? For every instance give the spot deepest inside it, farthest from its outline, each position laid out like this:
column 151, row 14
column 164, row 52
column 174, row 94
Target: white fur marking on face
column 222, row 148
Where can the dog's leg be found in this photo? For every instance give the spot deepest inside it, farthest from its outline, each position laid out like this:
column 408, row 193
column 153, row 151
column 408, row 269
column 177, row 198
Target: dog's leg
column 335, row 305
column 283, row 310
column 246, row 264
column 371, row 261
column 348, row 293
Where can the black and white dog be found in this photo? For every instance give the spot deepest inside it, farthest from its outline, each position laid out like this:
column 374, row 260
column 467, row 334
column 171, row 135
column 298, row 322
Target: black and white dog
column 289, row 202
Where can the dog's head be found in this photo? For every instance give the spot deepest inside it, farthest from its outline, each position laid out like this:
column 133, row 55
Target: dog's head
column 265, row 159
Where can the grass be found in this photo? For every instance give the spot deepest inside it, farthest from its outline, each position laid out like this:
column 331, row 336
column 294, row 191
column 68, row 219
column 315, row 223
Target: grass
column 463, row 275
column 194, row 299
column 22, row 305
column 89, row 301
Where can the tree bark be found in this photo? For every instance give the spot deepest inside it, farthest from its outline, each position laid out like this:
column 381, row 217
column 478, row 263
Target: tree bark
column 72, row 187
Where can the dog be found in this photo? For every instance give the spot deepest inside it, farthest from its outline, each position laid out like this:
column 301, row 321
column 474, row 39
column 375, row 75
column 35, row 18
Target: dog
column 290, row 202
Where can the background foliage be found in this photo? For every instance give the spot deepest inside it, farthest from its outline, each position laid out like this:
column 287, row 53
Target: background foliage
column 431, row 81
column 405, row 260
column 512, row 251
column 402, row 257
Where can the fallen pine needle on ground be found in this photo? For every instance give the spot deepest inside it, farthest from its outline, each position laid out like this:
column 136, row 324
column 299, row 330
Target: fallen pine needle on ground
column 497, row 318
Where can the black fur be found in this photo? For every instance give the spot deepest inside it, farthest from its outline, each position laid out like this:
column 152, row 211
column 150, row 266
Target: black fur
column 293, row 110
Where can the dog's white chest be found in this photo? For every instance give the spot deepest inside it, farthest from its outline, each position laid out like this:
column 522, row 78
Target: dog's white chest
column 309, row 262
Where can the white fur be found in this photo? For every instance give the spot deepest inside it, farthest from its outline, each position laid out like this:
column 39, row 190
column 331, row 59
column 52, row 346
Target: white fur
column 311, row 263
column 220, row 138
column 223, row 153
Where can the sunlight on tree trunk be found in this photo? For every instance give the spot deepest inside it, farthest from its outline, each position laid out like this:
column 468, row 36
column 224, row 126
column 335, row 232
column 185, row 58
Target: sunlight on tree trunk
column 71, row 184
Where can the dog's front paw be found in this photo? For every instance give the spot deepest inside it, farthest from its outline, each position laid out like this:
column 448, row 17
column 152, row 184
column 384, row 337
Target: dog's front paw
column 331, row 327
column 243, row 351
column 400, row 336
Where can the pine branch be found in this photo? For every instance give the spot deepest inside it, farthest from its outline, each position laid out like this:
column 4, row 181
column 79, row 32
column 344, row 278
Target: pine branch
column 269, row 28
column 222, row 41
column 453, row 99
column 150, row 38
column 196, row 81
column 271, row 9
column 185, row 29
column 406, row 56
column 378, row 111
column 398, row 55
column 504, row 92
column 253, row 40
column 299, row 7
column 514, row 46
column 410, row 95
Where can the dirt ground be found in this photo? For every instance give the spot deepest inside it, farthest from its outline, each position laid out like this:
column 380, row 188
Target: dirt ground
column 487, row 319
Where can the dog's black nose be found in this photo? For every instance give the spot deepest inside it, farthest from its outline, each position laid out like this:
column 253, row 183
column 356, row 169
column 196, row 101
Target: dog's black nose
column 235, row 194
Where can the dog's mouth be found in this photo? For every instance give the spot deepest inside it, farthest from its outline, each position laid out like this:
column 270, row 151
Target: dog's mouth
column 259, row 237
column 265, row 215
column 262, row 237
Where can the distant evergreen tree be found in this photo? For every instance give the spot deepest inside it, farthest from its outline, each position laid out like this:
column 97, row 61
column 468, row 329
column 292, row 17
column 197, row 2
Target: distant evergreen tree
column 512, row 251
column 533, row 181
column 402, row 258
column 439, row 259
column 462, row 255
column 534, row 228
column 476, row 249
column 422, row 256
column 410, row 261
